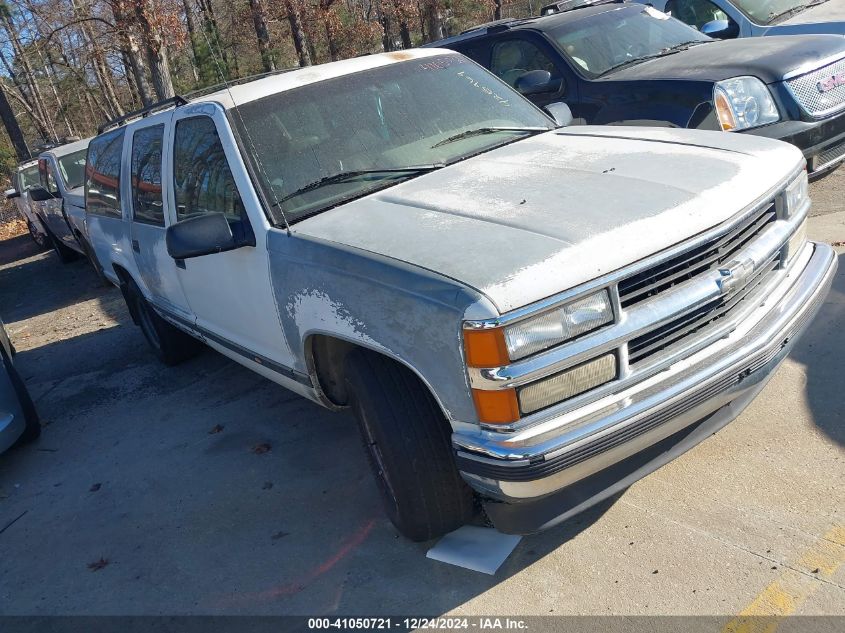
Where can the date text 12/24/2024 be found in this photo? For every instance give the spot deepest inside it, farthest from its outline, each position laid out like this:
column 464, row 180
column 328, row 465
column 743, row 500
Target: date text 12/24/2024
column 414, row 623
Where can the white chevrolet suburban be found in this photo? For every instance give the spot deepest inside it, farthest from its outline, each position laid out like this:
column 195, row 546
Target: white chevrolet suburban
column 517, row 313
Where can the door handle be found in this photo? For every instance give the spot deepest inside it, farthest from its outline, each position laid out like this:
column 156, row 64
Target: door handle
column 135, row 246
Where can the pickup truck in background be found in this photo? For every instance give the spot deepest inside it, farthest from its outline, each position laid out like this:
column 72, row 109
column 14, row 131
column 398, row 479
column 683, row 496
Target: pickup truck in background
column 25, row 178
column 516, row 313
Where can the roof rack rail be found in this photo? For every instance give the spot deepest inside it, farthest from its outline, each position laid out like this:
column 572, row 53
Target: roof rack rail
column 561, row 6
column 200, row 92
column 143, row 112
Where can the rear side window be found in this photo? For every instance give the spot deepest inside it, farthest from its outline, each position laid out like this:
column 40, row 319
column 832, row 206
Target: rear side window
column 102, row 175
column 147, row 204
column 29, row 178
column 202, row 178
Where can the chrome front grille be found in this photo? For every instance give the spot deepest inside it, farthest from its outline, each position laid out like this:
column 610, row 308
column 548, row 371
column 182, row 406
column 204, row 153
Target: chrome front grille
column 674, row 334
column 690, row 264
column 820, row 92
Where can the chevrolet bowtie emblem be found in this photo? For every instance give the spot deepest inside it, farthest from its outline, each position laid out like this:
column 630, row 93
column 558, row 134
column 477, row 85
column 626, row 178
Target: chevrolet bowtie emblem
column 735, row 275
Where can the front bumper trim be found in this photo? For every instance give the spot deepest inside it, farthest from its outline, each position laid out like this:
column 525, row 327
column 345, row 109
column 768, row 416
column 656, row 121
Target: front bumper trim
column 658, row 412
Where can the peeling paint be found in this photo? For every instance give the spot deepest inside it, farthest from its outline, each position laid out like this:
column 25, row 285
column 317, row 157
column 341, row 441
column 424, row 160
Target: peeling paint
column 314, row 309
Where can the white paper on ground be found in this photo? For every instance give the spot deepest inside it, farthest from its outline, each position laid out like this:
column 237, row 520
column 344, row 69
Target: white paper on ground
column 477, row 548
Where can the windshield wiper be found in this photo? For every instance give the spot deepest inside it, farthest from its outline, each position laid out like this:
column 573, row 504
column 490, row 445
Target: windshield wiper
column 637, row 60
column 346, row 176
column 489, row 130
column 788, row 12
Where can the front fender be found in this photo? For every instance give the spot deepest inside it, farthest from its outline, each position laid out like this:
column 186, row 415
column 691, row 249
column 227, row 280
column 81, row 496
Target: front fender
column 409, row 314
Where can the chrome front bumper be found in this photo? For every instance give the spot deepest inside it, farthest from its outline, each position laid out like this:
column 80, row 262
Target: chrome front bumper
column 715, row 383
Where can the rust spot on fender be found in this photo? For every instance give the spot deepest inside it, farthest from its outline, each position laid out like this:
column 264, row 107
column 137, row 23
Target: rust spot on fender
column 400, row 56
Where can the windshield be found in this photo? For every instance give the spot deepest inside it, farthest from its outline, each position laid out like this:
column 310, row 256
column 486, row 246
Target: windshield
column 602, row 41
column 30, row 178
column 767, row 11
column 404, row 115
column 72, row 168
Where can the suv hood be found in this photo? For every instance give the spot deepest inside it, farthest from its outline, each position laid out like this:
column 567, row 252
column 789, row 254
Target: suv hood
column 536, row 217
column 825, row 18
column 768, row 58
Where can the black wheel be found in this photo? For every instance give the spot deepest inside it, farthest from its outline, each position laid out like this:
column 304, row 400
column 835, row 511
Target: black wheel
column 33, row 424
column 65, row 253
column 408, row 443
column 170, row 344
column 39, row 238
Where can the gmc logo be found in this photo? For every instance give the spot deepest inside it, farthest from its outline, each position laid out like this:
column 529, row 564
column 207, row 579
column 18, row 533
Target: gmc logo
column 831, row 82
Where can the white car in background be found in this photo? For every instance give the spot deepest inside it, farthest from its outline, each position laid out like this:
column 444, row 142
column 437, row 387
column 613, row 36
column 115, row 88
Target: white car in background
column 24, row 179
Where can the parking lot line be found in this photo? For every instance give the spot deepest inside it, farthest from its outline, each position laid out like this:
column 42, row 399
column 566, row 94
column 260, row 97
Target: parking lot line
column 783, row 596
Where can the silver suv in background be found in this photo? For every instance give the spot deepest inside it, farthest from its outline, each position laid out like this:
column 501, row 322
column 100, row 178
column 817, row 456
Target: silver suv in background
column 25, row 178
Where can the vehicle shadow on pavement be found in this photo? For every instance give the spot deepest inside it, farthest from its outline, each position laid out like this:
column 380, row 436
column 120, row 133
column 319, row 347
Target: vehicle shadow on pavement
column 35, row 282
column 822, row 351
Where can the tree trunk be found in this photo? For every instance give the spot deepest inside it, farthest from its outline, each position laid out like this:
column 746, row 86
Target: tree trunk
column 384, row 22
column 12, row 127
column 259, row 21
column 98, row 62
column 196, row 56
column 334, row 53
column 155, row 50
column 497, row 10
column 298, row 34
column 404, row 30
column 41, row 118
column 131, row 48
column 434, row 22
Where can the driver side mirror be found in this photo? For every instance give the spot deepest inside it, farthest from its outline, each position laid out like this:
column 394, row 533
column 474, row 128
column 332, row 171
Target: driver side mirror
column 12, row 193
column 205, row 235
column 40, row 194
column 721, row 29
column 537, row 82
column 560, row 112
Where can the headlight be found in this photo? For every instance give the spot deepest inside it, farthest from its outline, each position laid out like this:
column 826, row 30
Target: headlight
column 558, row 325
column 744, row 102
column 567, row 384
column 796, row 194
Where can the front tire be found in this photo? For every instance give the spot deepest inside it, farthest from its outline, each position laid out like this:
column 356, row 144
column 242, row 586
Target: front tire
column 65, row 253
column 408, row 443
column 39, row 238
column 170, row 344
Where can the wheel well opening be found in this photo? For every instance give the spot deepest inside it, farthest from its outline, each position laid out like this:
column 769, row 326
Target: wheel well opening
column 327, row 361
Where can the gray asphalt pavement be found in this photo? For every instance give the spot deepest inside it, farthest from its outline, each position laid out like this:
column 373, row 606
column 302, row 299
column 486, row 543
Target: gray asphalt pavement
column 151, row 492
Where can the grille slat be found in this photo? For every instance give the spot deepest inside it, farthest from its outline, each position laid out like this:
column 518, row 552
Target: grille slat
column 815, row 101
column 694, row 262
column 695, row 321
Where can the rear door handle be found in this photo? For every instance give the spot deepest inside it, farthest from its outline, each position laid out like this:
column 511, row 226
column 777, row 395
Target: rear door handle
column 135, row 246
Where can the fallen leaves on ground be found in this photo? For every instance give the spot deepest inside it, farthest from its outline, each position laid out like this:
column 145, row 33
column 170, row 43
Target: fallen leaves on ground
column 216, row 429
column 97, row 565
column 95, row 488
column 838, row 243
column 12, row 228
column 267, row 485
column 260, row 449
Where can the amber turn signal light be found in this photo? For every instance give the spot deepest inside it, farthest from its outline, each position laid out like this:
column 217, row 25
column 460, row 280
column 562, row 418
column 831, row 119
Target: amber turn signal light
column 485, row 348
column 496, row 407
